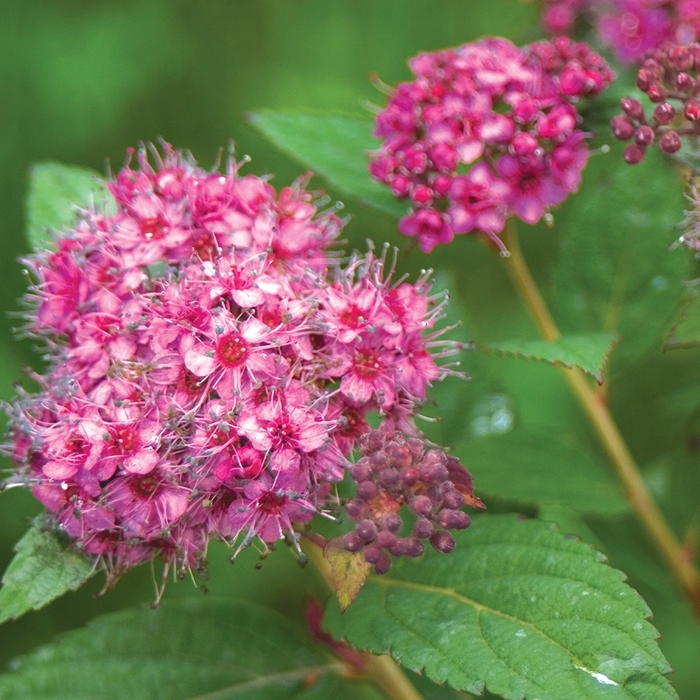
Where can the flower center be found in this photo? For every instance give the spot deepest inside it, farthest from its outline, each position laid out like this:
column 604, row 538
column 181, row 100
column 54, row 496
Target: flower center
column 232, row 350
column 145, row 485
column 366, row 364
column 272, row 503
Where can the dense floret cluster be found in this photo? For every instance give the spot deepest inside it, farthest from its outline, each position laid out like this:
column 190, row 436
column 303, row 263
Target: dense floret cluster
column 486, row 131
column 396, row 471
column 629, row 27
column 211, row 364
column 666, row 76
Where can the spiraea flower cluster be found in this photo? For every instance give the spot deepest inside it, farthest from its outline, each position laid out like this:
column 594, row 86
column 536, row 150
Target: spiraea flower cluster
column 211, row 364
column 629, row 27
column 667, row 76
column 486, row 131
column 395, row 471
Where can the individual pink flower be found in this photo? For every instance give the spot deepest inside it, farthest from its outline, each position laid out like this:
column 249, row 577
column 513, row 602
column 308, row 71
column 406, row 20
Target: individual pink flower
column 486, row 131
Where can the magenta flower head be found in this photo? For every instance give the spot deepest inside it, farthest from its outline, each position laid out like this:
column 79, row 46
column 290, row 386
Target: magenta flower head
column 486, row 131
column 669, row 77
column 211, row 364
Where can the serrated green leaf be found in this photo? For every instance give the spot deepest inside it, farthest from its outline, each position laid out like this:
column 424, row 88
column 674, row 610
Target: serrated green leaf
column 334, row 146
column 615, row 271
column 55, row 190
column 542, row 467
column 685, row 329
column 213, row 649
column 590, row 352
column 516, row 607
column 43, row 569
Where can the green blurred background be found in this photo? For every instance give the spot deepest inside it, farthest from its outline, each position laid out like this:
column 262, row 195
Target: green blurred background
column 82, row 80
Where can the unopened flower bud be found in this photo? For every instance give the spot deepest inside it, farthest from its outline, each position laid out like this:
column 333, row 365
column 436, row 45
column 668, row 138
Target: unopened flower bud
column 354, row 509
column 664, row 113
column 454, row 500
column 352, row 542
column 398, row 548
column 371, row 442
column 670, row 142
column 389, row 477
column 409, row 476
column 380, row 560
column 391, row 522
column 453, row 519
column 680, row 58
column 423, row 528
column 622, row 127
column 644, row 136
column 657, row 93
column 385, row 539
column 421, row 505
column 632, row 108
column 399, row 455
column 442, row 542
column 684, row 82
column 378, row 461
column 361, row 471
column 366, row 530
column 644, row 80
column 692, row 109
column 634, row 154
column 367, row 490
column 414, row 547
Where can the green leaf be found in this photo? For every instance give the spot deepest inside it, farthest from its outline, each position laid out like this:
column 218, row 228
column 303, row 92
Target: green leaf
column 213, row 649
column 43, row 569
column 590, row 352
column 615, row 271
column 685, row 329
column 334, row 146
column 542, row 466
column 516, row 607
column 54, row 192
column 350, row 571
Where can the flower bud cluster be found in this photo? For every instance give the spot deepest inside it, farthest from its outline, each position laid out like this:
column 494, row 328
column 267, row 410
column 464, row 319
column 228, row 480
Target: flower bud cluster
column 211, row 364
column 666, row 76
column 486, row 131
column 396, row 471
column 629, row 27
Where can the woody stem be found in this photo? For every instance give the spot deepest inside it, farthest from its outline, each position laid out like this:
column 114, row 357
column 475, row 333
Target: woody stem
column 596, row 409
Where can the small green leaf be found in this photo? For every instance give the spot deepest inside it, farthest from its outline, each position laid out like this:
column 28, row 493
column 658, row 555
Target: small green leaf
column 590, row 352
column 213, row 649
column 685, row 329
column 542, row 467
column 334, row 146
column 55, row 190
column 518, row 608
column 43, row 569
column 615, row 271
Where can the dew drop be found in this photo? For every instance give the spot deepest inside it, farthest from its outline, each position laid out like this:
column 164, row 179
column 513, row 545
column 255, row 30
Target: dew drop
column 494, row 414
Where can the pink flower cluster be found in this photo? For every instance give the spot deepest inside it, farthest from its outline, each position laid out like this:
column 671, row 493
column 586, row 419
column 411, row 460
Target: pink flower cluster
column 486, row 131
column 211, row 364
column 667, row 76
column 629, row 27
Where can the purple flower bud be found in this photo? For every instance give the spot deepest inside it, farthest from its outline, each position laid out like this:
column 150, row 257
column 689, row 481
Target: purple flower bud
column 692, row 109
column 385, row 539
column 634, row 154
column 657, row 93
column 632, row 108
column 680, row 58
column 423, row 528
column 644, row 136
column 421, row 505
column 371, row 442
column 399, row 455
column 389, row 477
column 453, row 500
column 684, row 82
column 409, row 476
column 367, row 530
column 453, row 519
column 644, row 80
column 354, row 509
column 442, row 542
column 670, row 142
column 382, row 563
column 367, row 490
column 664, row 113
column 352, row 543
column 378, row 461
column 391, row 522
column 398, row 548
column 622, row 127
column 361, row 471
column 414, row 547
